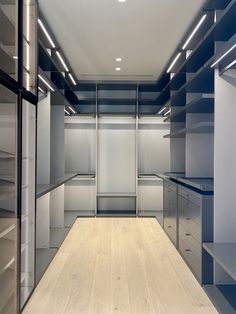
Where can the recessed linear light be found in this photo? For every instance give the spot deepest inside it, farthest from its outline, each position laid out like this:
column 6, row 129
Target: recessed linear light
column 66, row 111
column 167, row 112
column 46, row 83
column 41, row 90
column 118, row 69
column 62, row 61
column 121, row 0
column 72, row 79
column 118, row 59
column 173, row 63
column 223, row 56
column 15, row 57
column 230, row 65
column 46, row 33
column 72, row 109
column 161, row 110
column 194, row 31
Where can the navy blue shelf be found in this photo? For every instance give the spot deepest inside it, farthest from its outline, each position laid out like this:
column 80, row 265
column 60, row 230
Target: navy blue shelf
column 223, row 297
column 204, row 103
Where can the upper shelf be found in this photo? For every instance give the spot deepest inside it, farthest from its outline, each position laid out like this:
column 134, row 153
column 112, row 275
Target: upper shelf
column 203, row 103
column 225, row 255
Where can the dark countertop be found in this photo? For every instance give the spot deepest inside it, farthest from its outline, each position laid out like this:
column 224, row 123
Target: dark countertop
column 202, row 184
column 43, row 189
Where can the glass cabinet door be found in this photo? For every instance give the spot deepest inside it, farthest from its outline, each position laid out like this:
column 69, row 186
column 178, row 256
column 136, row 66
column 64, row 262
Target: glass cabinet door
column 9, row 37
column 8, row 201
column 28, row 202
column 30, row 45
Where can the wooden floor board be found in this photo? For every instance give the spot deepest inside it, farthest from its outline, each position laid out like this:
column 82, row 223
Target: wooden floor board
column 118, row 265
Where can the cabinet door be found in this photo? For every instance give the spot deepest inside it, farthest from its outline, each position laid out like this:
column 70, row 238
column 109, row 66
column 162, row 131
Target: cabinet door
column 28, row 202
column 8, row 202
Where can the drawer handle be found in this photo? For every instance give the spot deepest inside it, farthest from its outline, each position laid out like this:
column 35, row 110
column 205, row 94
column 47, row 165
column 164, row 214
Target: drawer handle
column 169, row 226
column 188, row 234
column 187, row 250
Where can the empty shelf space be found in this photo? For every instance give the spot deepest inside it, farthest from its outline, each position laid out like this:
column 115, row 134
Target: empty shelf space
column 7, row 214
column 201, row 127
column 8, row 247
column 57, row 236
column 7, row 287
column 204, row 103
column 224, row 254
column 7, row 37
column 6, row 226
column 223, row 297
column 43, row 259
column 6, row 155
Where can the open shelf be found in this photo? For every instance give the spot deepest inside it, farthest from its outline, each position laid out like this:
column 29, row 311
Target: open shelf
column 225, row 255
column 198, row 128
column 43, row 189
column 6, row 155
column 223, row 297
column 7, row 246
column 204, row 103
column 6, row 226
column 7, row 37
column 7, row 287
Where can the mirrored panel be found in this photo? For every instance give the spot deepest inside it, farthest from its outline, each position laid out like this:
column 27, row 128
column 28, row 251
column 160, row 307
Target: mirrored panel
column 9, row 37
column 8, row 201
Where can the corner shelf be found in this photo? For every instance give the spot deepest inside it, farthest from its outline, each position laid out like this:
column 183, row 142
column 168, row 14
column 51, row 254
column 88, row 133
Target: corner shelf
column 223, row 297
column 224, row 254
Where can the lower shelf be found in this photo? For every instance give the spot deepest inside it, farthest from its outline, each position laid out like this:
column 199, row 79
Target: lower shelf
column 43, row 259
column 223, row 297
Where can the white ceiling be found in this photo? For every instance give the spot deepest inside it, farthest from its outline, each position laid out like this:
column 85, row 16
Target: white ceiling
column 92, row 33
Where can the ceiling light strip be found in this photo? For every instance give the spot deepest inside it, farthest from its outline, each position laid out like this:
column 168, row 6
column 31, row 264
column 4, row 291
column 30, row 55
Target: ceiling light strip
column 230, row 65
column 161, row 110
column 194, row 31
column 46, row 83
column 66, row 111
column 173, row 63
column 72, row 109
column 167, row 112
column 223, row 56
column 72, row 79
column 62, row 61
column 46, row 33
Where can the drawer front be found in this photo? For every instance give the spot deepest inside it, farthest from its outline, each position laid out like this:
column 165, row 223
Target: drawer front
column 193, row 262
column 191, row 226
column 190, row 195
column 171, row 232
column 172, row 222
column 190, row 240
column 170, row 186
column 189, row 210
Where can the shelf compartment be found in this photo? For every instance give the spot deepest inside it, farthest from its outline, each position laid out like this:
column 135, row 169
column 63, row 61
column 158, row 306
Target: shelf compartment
column 7, row 37
column 7, row 287
column 204, row 103
column 6, row 226
column 5, row 155
column 201, row 127
column 8, row 247
column 225, row 255
column 223, row 297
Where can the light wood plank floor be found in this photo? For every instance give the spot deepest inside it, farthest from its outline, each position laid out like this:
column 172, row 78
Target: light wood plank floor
column 118, row 265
